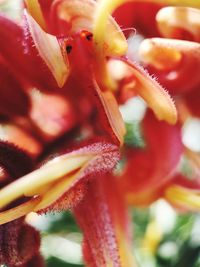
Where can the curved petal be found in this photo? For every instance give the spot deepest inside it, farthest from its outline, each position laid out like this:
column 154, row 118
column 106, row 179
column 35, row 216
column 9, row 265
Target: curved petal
column 21, row 138
column 173, row 61
column 106, row 226
column 35, row 10
column 13, row 100
column 191, row 3
column 80, row 15
column 52, row 122
column 56, row 177
column 192, row 100
column 109, row 109
column 117, row 42
column 149, row 169
column 139, row 15
column 49, row 50
column 179, row 23
column 183, row 198
column 28, row 67
column 19, row 243
column 33, row 181
column 152, row 92
column 19, row 211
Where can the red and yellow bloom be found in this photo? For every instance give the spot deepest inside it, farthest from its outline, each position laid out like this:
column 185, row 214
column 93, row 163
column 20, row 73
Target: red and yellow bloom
column 57, row 84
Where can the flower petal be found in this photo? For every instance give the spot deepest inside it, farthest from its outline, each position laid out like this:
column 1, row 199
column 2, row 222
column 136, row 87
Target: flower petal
column 191, row 3
column 49, row 50
column 19, row 243
column 103, row 160
column 117, row 42
column 21, row 138
column 14, row 161
column 35, row 11
column 33, row 181
column 28, row 68
column 179, row 23
column 192, row 100
column 15, row 102
column 138, row 15
column 106, row 226
column 153, row 166
column 113, row 115
column 52, row 122
column 56, row 177
column 184, row 198
column 173, row 62
column 152, row 92
column 19, row 211
column 80, row 15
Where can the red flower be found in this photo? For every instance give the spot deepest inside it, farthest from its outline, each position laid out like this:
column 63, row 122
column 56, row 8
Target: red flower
column 60, row 80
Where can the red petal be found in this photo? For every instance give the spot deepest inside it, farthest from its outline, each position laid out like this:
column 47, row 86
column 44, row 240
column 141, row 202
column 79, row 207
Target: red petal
column 183, row 181
column 192, row 99
column 104, row 160
column 15, row 161
column 110, row 115
column 49, row 50
column 149, row 169
column 51, row 183
column 52, row 122
column 139, row 16
column 18, row 52
column 19, row 243
column 36, row 261
column 21, row 138
column 179, row 23
column 173, row 61
column 104, row 221
column 150, row 90
column 13, row 101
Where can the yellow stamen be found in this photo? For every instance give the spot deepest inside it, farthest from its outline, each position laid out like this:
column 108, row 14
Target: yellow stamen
column 182, row 197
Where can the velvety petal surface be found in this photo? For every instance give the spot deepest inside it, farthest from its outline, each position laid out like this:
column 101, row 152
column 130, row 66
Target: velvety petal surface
column 104, row 221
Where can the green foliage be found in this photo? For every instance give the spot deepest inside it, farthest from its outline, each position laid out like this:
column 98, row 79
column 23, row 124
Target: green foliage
column 133, row 135
column 65, row 223
column 55, row 262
